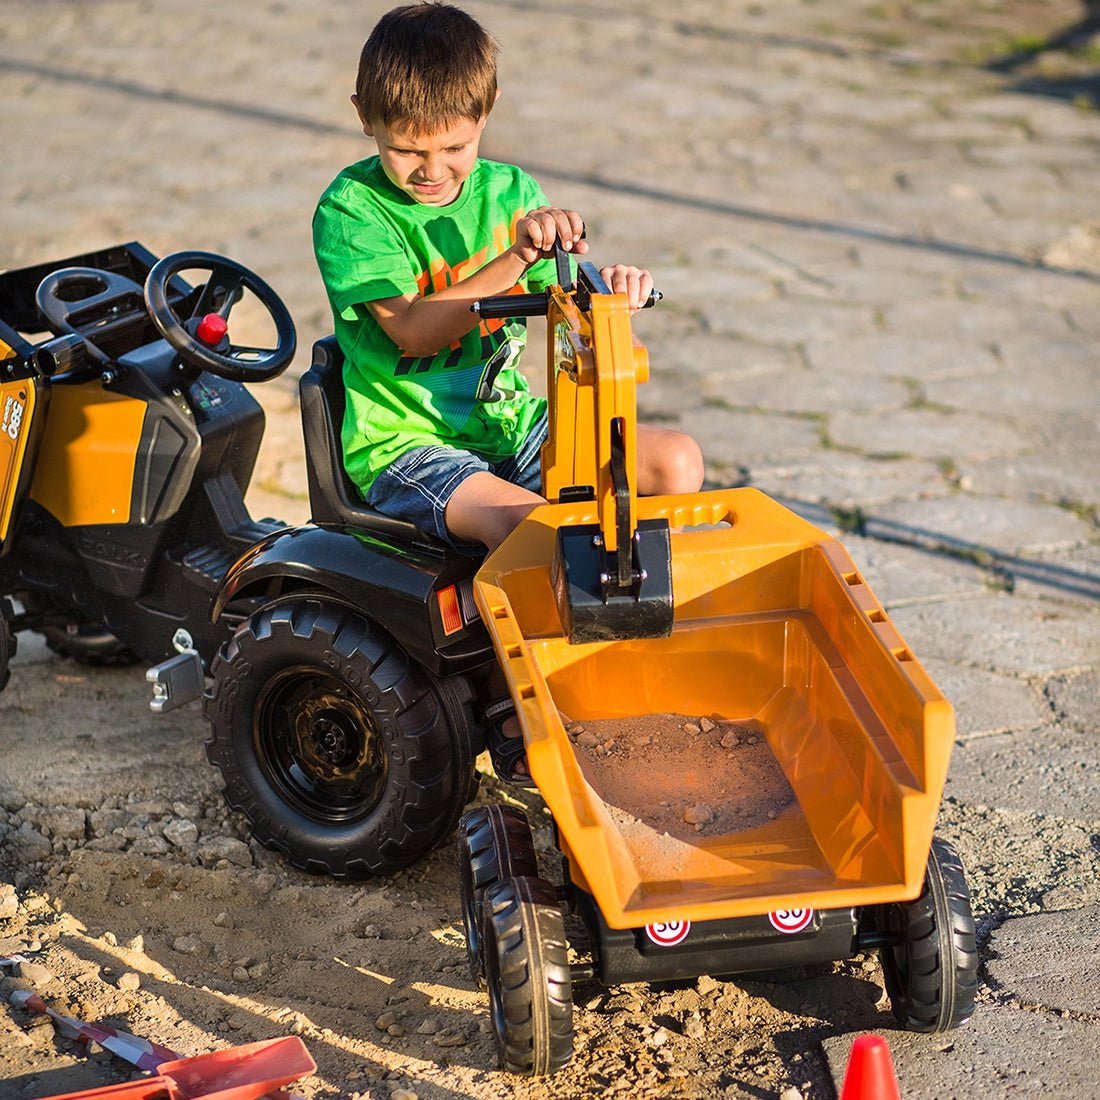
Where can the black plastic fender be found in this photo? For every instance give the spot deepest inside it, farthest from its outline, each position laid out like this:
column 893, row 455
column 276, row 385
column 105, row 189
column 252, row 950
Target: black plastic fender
column 391, row 583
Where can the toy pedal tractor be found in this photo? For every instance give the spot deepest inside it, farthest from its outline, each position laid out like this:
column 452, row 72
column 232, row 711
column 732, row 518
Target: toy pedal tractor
column 343, row 655
column 723, row 605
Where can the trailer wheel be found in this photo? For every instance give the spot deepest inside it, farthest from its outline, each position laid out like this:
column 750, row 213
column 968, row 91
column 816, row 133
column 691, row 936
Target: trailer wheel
column 7, row 640
column 931, row 970
column 527, row 974
column 494, row 844
column 344, row 753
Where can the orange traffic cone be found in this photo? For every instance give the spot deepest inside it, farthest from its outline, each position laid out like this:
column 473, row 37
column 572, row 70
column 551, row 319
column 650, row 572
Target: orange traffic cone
column 870, row 1074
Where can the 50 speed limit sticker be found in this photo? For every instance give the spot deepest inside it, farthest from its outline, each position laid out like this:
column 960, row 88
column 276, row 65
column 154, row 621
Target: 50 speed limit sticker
column 668, row 933
column 791, row 920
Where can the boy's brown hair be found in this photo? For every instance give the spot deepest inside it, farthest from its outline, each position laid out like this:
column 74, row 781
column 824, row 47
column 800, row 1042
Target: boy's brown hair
column 424, row 66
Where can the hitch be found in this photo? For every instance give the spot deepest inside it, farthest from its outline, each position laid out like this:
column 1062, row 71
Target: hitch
column 176, row 680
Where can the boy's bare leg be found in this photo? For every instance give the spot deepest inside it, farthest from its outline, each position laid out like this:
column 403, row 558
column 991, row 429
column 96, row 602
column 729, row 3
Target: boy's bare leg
column 486, row 508
column 668, row 462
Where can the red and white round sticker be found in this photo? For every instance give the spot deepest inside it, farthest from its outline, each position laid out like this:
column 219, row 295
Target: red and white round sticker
column 791, row 920
column 668, row 933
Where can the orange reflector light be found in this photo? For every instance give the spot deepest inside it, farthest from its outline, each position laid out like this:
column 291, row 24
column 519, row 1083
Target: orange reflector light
column 449, row 609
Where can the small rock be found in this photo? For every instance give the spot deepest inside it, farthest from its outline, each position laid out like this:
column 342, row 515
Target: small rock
column 65, row 822
column 395, row 1030
column 691, row 727
column 706, row 725
column 35, row 973
column 428, row 1026
column 129, row 981
column 730, row 740
column 588, row 740
column 260, row 970
column 240, row 974
column 371, row 932
column 450, row 1037
column 790, row 1094
column 112, row 843
column 386, row 1020
column 223, row 920
column 403, row 1094
column 28, row 845
column 658, row 1038
column 701, row 814
column 9, row 901
column 693, row 1028
column 149, row 846
column 137, row 944
column 705, row 985
column 215, row 849
column 181, row 832
column 189, row 945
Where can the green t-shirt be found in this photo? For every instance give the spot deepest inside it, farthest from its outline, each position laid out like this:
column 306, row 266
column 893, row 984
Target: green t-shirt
column 373, row 241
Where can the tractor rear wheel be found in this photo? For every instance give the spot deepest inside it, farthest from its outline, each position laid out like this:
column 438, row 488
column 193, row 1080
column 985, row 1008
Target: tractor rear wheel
column 343, row 752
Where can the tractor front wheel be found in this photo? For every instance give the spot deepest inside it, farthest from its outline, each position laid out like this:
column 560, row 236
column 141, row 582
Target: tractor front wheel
column 7, row 640
column 528, row 977
column 494, row 844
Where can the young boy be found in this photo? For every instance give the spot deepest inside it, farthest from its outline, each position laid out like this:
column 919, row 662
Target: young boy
column 440, row 427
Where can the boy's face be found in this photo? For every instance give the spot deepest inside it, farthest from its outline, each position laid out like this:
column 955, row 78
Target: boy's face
column 430, row 168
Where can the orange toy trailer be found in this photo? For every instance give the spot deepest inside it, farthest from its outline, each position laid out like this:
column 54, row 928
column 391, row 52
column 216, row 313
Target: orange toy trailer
column 743, row 760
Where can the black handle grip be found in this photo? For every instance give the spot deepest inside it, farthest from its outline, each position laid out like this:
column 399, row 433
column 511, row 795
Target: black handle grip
column 512, row 305
column 530, row 305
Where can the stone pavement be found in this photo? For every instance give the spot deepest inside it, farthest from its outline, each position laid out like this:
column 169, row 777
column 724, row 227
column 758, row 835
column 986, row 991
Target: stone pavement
column 880, row 250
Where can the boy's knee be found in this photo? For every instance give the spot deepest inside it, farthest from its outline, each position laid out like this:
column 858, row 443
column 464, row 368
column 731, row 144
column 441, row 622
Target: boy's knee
column 683, row 467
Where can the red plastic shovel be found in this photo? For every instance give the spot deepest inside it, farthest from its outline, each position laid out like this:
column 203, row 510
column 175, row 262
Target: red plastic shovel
column 239, row 1073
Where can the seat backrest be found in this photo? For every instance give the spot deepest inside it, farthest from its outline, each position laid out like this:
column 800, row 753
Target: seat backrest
column 333, row 497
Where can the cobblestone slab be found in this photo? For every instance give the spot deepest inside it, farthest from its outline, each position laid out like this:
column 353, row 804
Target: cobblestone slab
column 1049, row 960
column 973, row 524
column 1042, row 770
column 1028, row 637
column 986, row 703
column 1003, row 1051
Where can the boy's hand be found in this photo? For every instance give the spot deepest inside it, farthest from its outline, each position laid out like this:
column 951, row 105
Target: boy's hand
column 635, row 282
column 538, row 232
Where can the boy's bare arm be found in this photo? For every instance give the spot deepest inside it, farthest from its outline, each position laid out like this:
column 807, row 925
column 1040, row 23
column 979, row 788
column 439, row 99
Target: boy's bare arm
column 423, row 325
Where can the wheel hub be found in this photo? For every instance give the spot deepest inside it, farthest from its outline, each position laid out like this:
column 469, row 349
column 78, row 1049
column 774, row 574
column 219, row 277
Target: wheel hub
column 333, row 742
column 319, row 745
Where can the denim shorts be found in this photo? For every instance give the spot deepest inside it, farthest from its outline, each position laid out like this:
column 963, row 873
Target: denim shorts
column 417, row 485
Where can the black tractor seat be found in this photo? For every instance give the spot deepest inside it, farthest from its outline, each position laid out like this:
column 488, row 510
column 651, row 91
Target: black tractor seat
column 333, row 497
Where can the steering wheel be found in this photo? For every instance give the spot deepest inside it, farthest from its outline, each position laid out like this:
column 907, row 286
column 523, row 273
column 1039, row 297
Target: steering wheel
column 202, row 341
